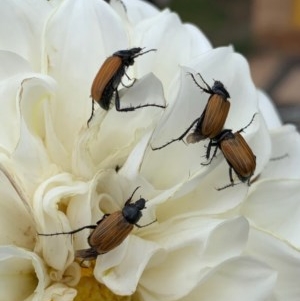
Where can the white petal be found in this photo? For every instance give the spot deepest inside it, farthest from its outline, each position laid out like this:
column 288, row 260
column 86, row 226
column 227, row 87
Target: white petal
column 199, row 42
column 285, row 160
column 75, row 56
column 122, row 273
column 282, row 258
column 138, row 11
column 274, row 206
column 22, row 94
column 12, row 64
column 30, row 157
column 17, row 225
column 25, row 22
column 10, row 117
column 22, row 274
column 188, row 240
column 132, row 165
column 268, row 110
column 233, row 71
column 107, row 143
column 259, row 140
column 164, row 32
column 200, row 194
column 241, row 278
column 47, row 199
column 59, row 292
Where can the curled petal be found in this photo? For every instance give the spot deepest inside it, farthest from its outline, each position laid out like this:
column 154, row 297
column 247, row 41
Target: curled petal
column 282, row 258
column 187, row 103
column 172, row 274
column 268, row 110
column 108, row 143
column 59, row 292
column 25, row 25
column 121, row 271
column 235, row 279
column 52, row 220
column 12, row 64
column 22, row 231
column 165, row 32
column 28, row 277
column 270, row 203
column 74, row 59
column 284, row 161
column 138, row 11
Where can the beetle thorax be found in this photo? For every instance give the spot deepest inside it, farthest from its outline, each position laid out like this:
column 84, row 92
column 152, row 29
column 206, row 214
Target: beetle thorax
column 128, row 61
column 225, row 134
column 132, row 213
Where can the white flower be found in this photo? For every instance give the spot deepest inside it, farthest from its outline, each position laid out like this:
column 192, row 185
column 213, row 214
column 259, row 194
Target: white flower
column 58, row 174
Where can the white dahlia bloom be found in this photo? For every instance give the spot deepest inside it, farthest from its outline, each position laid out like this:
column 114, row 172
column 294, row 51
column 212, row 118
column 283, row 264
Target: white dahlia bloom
column 58, row 174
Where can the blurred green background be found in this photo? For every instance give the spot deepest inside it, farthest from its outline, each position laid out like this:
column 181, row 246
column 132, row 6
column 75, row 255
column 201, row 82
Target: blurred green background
column 224, row 22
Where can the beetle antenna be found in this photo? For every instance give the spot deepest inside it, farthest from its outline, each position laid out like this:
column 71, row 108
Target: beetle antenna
column 208, row 90
column 242, row 129
column 70, row 232
column 144, row 52
column 130, row 198
column 206, row 84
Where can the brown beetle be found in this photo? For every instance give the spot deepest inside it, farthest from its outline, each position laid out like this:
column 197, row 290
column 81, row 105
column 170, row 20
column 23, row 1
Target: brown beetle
column 213, row 118
column 109, row 77
column 111, row 230
column 237, row 153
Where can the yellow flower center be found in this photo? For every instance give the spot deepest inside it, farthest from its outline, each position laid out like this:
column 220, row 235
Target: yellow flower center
column 90, row 289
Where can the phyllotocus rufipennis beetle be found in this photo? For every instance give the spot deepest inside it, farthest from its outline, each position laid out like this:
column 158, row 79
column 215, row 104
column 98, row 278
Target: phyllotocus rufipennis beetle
column 237, row 153
column 109, row 77
column 111, row 230
column 212, row 119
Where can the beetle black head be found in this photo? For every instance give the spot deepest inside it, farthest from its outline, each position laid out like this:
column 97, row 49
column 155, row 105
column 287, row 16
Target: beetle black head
column 129, row 55
column 132, row 212
column 218, row 88
column 125, row 54
column 140, row 204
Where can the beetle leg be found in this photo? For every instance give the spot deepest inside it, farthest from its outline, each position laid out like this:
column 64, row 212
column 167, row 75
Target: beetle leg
column 131, row 108
column 210, row 145
column 117, row 102
column 230, row 176
column 71, row 232
column 231, row 181
column 142, row 226
column 103, row 217
column 130, row 85
column 179, row 138
column 92, row 114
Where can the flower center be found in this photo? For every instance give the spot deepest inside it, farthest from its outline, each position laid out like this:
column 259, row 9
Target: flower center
column 89, row 289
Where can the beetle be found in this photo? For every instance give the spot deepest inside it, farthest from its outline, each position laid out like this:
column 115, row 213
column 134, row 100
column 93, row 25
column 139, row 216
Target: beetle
column 212, row 119
column 110, row 231
column 109, row 77
column 237, row 153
